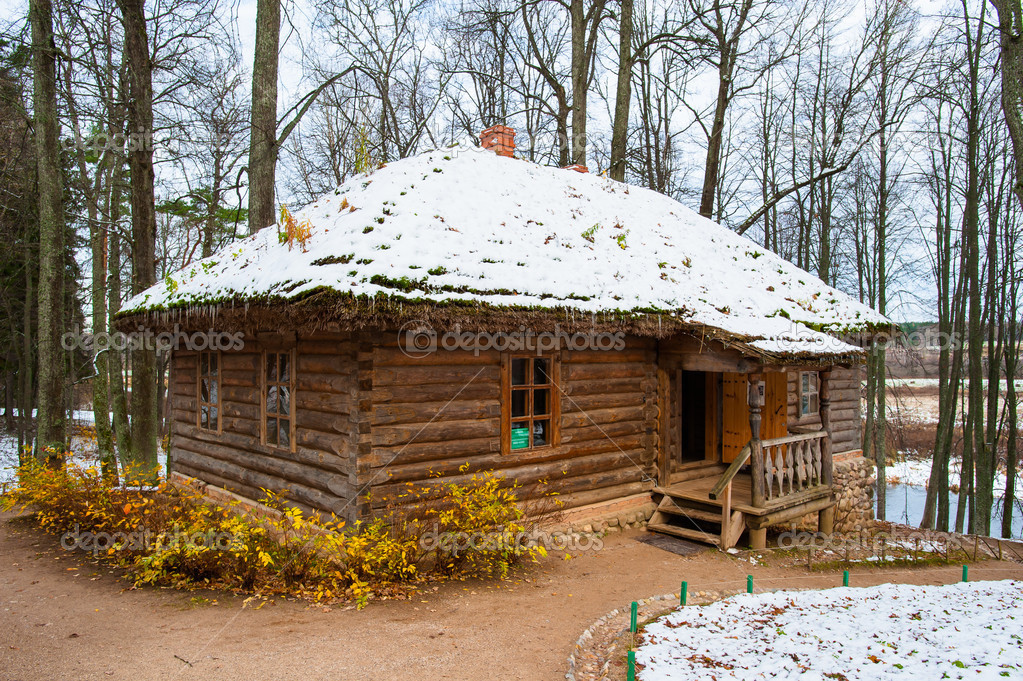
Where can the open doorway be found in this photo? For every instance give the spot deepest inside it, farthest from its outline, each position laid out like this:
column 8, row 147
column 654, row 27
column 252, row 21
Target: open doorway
column 697, row 416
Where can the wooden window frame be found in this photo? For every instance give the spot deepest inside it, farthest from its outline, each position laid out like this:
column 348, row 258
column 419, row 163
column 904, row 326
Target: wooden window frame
column 265, row 385
column 199, row 402
column 554, row 413
column 814, row 403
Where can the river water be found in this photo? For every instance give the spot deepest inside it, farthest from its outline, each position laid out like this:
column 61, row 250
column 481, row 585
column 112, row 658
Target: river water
column 905, row 504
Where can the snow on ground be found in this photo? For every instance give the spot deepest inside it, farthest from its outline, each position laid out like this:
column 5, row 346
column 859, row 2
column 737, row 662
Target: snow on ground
column 934, row 383
column 915, row 472
column 83, row 447
column 465, row 224
column 958, row 631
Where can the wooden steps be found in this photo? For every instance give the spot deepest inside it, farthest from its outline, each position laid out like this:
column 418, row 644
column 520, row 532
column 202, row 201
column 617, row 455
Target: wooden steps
column 703, row 520
column 686, row 510
column 695, row 535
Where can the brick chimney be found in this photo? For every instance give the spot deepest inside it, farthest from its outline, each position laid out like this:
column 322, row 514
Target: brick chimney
column 577, row 167
column 500, row 139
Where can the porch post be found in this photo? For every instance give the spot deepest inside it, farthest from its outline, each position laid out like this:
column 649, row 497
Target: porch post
column 756, row 452
column 826, row 517
column 757, row 537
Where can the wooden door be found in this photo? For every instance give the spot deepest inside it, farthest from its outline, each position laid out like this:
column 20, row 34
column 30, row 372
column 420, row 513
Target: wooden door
column 735, row 431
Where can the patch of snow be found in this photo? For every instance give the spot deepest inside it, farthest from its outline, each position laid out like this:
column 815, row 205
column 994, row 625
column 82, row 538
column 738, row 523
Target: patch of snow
column 463, row 224
column 891, row 631
column 84, row 452
column 916, row 472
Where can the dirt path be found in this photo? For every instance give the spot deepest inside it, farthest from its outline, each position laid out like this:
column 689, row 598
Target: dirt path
column 62, row 617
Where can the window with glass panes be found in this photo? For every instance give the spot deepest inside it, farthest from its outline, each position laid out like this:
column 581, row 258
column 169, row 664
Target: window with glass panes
column 278, row 396
column 532, row 399
column 809, row 401
column 208, row 399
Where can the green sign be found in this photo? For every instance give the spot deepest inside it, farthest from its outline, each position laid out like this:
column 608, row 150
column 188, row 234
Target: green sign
column 520, row 438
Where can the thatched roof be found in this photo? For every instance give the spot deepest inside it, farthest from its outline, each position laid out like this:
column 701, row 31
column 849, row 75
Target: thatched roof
column 464, row 236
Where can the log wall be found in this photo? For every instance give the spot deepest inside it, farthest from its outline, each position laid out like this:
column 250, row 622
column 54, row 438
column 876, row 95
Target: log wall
column 370, row 420
column 438, row 419
column 845, row 408
column 317, row 475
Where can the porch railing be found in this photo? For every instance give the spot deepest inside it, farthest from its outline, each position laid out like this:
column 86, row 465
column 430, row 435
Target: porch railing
column 794, row 463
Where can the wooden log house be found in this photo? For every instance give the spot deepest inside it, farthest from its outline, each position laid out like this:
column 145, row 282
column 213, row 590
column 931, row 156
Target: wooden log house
column 464, row 310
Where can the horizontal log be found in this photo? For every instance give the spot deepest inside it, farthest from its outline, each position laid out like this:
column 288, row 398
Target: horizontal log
column 629, row 354
column 328, row 403
column 327, row 383
column 603, row 416
column 425, row 412
column 333, row 424
column 341, row 345
column 316, row 459
column 598, row 401
column 241, row 395
column 451, row 374
column 340, row 365
column 562, row 476
column 611, row 431
column 614, row 385
column 329, row 443
column 600, row 372
column 461, row 449
column 597, row 496
column 438, row 431
column 251, row 493
column 229, row 471
column 568, row 457
column 331, row 482
column 395, row 357
column 401, row 394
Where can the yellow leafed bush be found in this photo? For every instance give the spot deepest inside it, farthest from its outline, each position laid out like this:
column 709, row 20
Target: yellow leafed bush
column 172, row 535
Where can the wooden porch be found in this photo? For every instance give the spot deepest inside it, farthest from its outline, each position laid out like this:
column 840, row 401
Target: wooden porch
column 770, row 481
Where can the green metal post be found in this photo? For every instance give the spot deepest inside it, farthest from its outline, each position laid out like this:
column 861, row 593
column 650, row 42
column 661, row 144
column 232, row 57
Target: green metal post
column 845, row 578
column 682, row 594
column 749, row 584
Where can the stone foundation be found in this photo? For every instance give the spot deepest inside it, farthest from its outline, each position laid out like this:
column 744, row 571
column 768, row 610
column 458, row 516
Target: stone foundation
column 854, row 490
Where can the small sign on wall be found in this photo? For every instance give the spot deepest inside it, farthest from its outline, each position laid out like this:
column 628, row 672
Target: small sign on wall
column 520, row 438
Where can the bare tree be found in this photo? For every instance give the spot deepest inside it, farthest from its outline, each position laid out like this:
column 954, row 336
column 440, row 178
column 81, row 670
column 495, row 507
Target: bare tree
column 51, row 434
column 1010, row 32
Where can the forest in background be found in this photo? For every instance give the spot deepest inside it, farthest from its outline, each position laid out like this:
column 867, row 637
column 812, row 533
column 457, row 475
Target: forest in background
column 877, row 145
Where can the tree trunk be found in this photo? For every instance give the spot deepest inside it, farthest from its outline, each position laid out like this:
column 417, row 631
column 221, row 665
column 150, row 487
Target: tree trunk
column 263, row 133
column 623, row 94
column 51, row 423
column 1011, row 457
column 580, row 81
column 1010, row 28
column 144, row 426
column 100, row 379
column 713, row 161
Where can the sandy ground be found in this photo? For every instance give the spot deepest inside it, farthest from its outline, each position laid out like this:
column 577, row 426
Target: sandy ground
column 64, row 617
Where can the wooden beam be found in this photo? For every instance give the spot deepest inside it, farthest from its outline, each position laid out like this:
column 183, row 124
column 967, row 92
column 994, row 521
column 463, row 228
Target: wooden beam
column 824, row 397
column 756, row 451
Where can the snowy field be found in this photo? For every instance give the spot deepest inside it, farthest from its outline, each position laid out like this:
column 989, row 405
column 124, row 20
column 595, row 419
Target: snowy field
column 916, row 472
column 959, row 631
column 83, row 446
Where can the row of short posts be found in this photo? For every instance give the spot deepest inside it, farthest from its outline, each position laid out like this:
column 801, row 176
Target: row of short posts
column 683, row 597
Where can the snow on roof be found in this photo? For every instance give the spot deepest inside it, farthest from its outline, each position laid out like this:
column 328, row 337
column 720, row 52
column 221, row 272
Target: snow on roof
column 466, row 224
